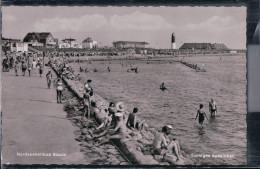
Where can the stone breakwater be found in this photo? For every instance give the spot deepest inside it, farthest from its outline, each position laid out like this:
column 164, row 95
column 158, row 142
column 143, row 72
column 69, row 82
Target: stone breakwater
column 193, row 66
column 137, row 148
column 94, row 154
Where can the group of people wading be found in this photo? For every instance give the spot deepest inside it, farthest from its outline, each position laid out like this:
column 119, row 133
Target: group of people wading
column 201, row 114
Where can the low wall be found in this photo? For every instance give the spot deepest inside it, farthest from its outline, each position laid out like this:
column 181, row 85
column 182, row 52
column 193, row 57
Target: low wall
column 137, row 148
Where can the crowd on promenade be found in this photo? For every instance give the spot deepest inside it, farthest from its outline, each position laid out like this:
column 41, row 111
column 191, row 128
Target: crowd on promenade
column 22, row 63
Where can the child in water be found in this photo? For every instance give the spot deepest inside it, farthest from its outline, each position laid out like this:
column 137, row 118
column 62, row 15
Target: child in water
column 201, row 115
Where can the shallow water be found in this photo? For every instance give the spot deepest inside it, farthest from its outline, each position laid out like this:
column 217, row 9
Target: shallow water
column 225, row 81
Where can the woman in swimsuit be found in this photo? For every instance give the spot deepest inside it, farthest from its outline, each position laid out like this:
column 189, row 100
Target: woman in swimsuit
column 201, row 115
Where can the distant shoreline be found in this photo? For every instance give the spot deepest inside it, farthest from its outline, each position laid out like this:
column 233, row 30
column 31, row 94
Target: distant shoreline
column 144, row 58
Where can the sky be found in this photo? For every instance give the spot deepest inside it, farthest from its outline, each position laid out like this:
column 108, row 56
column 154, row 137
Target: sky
column 150, row 24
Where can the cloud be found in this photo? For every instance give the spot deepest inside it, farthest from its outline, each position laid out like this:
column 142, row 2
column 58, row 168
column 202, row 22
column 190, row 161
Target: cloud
column 79, row 24
column 216, row 24
column 139, row 21
column 9, row 18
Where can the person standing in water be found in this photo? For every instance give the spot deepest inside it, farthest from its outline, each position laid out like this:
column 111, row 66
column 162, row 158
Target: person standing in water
column 201, row 115
column 212, row 108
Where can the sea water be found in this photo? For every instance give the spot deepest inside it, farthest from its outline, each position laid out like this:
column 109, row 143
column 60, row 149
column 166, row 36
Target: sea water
column 220, row 140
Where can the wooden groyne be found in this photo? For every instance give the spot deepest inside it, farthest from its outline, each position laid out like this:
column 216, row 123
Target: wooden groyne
column 193, row 66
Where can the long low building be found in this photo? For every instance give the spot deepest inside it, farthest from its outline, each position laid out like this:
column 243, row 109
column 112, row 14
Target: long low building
column 203, row 46
column 130, row 44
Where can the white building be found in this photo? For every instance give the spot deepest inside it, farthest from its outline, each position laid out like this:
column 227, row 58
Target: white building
column 19, row 47
column 130, row 44
column 69, row 43
column 89, row 43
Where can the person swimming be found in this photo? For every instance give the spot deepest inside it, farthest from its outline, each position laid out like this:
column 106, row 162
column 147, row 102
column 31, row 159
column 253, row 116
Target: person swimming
column 162, row 87
column 201, row 115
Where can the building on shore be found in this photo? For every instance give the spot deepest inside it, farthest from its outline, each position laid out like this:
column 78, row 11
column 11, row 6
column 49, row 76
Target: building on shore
column 89, row 44
column 19, row 47
column 130, row 44
column 203, row 46
column 69, row 43
column 40, row 39
column 8, row 41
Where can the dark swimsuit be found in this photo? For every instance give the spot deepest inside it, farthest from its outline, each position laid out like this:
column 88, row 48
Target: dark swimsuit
column 157, row 151
column 201, row 116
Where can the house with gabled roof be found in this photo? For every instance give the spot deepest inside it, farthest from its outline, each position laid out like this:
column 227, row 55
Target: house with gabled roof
column 40, row 39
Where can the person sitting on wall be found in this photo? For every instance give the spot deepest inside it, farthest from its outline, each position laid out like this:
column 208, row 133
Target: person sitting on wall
column 162, row 144
column 108, row 122
column 119, row 132
column 111, row 112
column 133, row 122
column 105, row 122
column 120, row 108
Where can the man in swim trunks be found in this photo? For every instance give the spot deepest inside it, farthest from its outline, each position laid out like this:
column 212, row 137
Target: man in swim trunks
column 212, row 108
column 162, row 145
column 133, row 121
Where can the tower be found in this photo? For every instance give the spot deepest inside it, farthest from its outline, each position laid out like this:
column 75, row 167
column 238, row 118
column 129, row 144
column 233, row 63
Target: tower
column 173, row 44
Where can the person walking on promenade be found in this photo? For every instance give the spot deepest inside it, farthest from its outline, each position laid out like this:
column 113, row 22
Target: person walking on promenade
column 34, row 65
column 201, row 114
column 29, row 67
column 24, row 67
column 162, row 144
column 16, row 67
column 212, row 108
column 59, row 90
column 40, row 69
column 11, row 62
column 49, row 77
